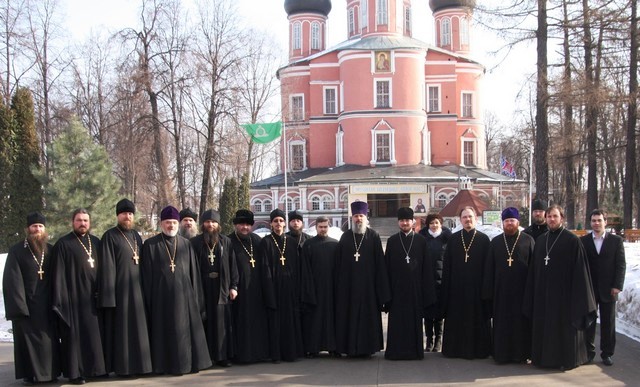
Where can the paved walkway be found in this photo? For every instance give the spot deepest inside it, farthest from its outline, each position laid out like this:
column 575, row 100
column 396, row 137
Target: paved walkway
column 433, row 370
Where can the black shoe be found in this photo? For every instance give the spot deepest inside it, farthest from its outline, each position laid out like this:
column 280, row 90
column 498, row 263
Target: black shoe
column 590, row 358
column 607, row 361
column 335, row 354
column 78, row 381
column 310, row 355
column 224, row 363
column 27, row 381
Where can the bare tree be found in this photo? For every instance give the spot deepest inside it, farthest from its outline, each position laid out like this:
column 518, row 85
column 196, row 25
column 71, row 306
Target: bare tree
column 632, row 114
column 12, row 37
column 542, row 105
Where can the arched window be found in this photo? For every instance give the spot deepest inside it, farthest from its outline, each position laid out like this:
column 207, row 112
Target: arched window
column 297, row 36
column 315, row 203
column 464, row 31
column 442, row 200
column 257, row 205
column 364, row 14
column 315, row 36
column 267, row 205
column 445, row 32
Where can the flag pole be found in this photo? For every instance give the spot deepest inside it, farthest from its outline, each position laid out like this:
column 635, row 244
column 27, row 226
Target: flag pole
column 286, row 188
column 530, row 183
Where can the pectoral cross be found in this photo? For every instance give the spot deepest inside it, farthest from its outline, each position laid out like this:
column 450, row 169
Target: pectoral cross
column 252, row 261
column 212, row 257
column 356, row 256
column 282, row 259
column 136, row 258
column 407, row 258
column 546, row 260
column 510, row 260
column 91, row 261
column 41, row 272
column 466, row 257
column 173, row 267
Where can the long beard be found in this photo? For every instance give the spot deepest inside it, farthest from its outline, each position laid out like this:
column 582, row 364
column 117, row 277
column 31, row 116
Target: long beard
column 188, row 232
column 38, row 243
column 360, row 228
column 211, row 237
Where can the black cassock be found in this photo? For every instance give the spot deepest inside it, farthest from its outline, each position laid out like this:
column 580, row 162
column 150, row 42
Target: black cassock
column 412, row 291
column 27, row 303
column 466, row 328
column 504, row 286
column 362, row 288
column 175, row 306
column 559, row 300
column 251, row 333
column 318, row 325
column 219, row 275
column 286, row 289
column 74, row 302
column 126, row 338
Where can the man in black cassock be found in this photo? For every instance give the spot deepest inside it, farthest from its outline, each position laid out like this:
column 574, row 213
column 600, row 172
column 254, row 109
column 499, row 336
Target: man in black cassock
column 126, row 339
column 412, row 289
column 362, row 287
column 466, row 328
column 220, row 284
column 174, row 301
column 26, row 286
column 76, row 257
column 538, row 222
column 285, row 290
column 318, row 326
column 250, row 327
column 296, row 225
column 504, row 280
column 559, row 297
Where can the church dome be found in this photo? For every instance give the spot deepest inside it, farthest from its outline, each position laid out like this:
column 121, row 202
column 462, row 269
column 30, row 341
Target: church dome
column 437, row 5
column 314, row 6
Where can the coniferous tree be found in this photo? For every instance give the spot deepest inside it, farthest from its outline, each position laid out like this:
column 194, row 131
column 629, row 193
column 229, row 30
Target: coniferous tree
column 81, row 177
column 25, row 191
column 228, row 204
column 243, row 192
column 6, row 162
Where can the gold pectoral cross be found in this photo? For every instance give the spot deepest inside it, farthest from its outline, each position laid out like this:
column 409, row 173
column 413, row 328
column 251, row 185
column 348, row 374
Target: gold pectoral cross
column 173, row 267
column 91, row 261
column 356, row 256
column 212, row 257
column 282, row 259
column 466, row 257
column 510, row 260
column 136, row 258
column 40, row 272
column 252, row 261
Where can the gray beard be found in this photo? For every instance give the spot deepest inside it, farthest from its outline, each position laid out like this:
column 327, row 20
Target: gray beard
column 188, row 233
column 360, row 228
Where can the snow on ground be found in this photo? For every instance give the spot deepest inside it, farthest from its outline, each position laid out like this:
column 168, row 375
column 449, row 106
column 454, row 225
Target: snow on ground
column 628, row 320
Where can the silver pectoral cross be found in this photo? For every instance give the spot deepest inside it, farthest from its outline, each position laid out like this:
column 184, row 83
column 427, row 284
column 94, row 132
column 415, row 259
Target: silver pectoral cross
column 546, row 260
column 91, row 261
column 407, row 258
column 356, row 256
column 212, row 257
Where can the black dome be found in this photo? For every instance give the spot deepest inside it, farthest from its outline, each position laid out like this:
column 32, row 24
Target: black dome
column 314, row 6
column 437, row 5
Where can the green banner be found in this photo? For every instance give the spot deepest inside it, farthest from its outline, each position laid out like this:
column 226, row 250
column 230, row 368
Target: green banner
column 265, row 132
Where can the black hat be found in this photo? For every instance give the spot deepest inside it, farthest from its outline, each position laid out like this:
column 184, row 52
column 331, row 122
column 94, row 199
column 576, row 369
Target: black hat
column 125, row 205
column 36, row 218
column 210, row 215
column 275, row 214
column 188, row 213
column 243, row 217
column 538, row 205
column 169, row 213
column 295, row 215
column 405, row 213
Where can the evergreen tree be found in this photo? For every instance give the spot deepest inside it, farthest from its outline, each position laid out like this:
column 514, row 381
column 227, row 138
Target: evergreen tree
column 25, row 191
column 6, row 162
column 228, row 204
column 81, row 177
column 243, row 192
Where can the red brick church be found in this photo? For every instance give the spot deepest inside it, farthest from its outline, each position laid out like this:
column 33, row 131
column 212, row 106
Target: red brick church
column 381, row 117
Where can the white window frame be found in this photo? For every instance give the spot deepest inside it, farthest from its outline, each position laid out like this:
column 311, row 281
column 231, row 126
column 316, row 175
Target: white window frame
column 437, row 99
column 316, row 36
column 464, row 31
column 376, row 81
column 464, row 142
column 382, row 12
column 374, row 146
column 303, row 145
column 330, row 107
column 407, row 20
column 339, row 147
column 267, row 205
column 296, row 36
column 364, row 14
column 291, row 203
column 293, row 110
column 445, row 31
column 467, row 111
column 352, row 21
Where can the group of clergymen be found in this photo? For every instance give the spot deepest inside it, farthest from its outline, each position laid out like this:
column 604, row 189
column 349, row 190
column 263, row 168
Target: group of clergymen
column 182, row 300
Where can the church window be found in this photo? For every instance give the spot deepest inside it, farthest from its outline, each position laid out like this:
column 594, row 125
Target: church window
column 292, row 203
column 383, row 147
column 468, row 152
column 267, row 206
column 445, row 32
column 327, row 202
column 364, row 12
column 297, row 107
column 433, row 96
column 297, row 154
column 330, row 100
column 352, row 22
column 315, row 203
column 297, row 36
column 407, row 19
column 340, row 147
column 382, row 14
column 464, row 31
column 383, row 93
column 315, row 36
column 257, row 206
column 467, row 105
column 442, row 200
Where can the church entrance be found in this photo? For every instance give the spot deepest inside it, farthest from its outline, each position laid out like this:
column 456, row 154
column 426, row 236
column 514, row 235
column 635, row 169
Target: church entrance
column 386, row 205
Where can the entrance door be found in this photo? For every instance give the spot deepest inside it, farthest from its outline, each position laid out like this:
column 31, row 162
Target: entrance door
column 386, row 205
